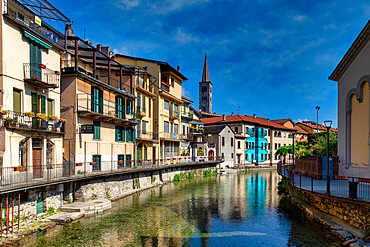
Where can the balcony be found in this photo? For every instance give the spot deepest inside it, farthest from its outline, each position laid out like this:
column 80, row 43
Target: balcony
column 169, row 136
column 29, row 123
column 107, row 111
column 41, row 76
column 174, row 115
column 68, row 67
column 188, row 115
column 145, row 135
column 141, row 84
column 140, row 112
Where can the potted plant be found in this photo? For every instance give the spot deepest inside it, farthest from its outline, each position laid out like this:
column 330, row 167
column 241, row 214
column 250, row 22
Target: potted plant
column 62, row 120
column 34, row 78
column 92, row 163
column 19, row 168
column 340, row 177
column 29, row 114
column 43, row 66
column 58, row 73
column 52, row 118
column 4, row 112
column 78, row 164
column 41, row 116
column 8, row 122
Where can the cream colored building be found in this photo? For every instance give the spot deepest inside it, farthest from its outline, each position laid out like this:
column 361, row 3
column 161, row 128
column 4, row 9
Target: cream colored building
column 353, row 77
column 167, row 106
column 98, row 101
column 31, row 132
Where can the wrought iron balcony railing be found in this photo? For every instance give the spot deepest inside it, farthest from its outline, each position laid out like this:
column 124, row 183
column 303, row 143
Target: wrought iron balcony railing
column 25, row 121
column 141, row 134
column 92, row 104
column 41, row 76
column 187, row 115
column 172, row 136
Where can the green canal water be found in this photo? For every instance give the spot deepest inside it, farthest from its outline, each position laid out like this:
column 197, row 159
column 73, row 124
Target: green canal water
column 225, row 210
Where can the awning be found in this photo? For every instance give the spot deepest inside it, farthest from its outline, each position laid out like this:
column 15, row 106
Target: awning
column 36, row 39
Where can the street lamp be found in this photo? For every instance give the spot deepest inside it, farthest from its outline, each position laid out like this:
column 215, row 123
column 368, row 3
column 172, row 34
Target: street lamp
column 317, row 123
column 328, row 126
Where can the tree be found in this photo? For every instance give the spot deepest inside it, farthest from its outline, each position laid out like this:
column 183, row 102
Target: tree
column 282, row 151
column 320, row 144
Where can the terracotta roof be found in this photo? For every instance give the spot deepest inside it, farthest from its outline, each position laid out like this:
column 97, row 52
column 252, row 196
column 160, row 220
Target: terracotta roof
column 320, row 127
column 187, row 99
column 208, row 114
column 240, row 118
column 300, row 130
column 281, row 121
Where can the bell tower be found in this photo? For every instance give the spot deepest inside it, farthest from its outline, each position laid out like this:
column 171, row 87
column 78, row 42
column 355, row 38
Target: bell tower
column 205, row 90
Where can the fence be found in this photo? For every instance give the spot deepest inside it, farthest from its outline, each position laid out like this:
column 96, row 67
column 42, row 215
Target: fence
column 341, row 186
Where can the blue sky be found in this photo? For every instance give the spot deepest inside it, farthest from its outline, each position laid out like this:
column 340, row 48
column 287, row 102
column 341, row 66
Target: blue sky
column 270, row 57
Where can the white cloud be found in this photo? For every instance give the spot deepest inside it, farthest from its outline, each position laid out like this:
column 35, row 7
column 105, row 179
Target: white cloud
column 299, row 18
column 184, row 37
column 168, row 6
column 127, row 4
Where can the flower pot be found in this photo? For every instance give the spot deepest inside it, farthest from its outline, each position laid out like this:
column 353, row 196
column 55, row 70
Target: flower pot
column 34, row 78
column 57, row 73
column 92, row 163
column 43, row 66
column 78, row 164
column 8, row 124
column 339, row 177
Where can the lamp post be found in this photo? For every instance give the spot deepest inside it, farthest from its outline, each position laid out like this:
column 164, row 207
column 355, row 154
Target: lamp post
column 317, row 122
column 293, row 146
column 328, row 126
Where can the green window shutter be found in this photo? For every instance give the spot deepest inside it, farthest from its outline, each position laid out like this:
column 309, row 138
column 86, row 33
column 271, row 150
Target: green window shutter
column 96, row 135
column 117, row 133
column 43, row 104
column 17, row 94
column 143, row 103
column 100, row 101
column 133, row 135
column 35, row 107
column 123, row 134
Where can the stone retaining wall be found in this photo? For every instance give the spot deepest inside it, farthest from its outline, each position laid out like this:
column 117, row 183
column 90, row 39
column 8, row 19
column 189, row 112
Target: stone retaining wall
column 353, row 212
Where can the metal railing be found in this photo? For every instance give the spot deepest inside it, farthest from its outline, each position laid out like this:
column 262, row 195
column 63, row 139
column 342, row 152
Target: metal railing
column 40, row 73
column 187, row 115
column 144, row 85
column 40, row 174
column 146, row 135
column 174, row 114
column 340, row 186
column 68, row 66
column 90, row 103
column 167, row 135
column 20, row 120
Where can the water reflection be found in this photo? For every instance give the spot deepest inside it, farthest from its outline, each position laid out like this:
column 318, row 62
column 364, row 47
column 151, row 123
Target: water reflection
column 243, row 210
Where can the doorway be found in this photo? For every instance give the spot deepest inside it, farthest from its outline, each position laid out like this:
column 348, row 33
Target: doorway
column 37, row 158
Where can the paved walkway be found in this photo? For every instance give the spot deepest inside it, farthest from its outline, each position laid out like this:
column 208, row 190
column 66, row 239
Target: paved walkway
column 337, row 187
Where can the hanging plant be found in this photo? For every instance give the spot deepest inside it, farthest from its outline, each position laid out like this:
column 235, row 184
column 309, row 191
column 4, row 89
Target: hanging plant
column 53, row 118
column 8, row 120
column 4, row 112
column 62, row 120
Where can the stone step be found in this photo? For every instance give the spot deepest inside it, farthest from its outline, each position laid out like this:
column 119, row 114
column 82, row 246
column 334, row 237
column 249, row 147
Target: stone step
column 88, row 207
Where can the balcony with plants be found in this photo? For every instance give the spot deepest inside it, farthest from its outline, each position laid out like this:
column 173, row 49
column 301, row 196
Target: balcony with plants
column 41, row 76
column 105, row 110
column 187, row 115
column 196, row 130
column 30, row 121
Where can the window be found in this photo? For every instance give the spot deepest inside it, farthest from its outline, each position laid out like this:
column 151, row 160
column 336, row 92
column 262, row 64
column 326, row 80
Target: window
column 236, row 129
column 269, row 156
column 120, row 107
column 50, row 107
column 275, row 146
column 97, row 160
column 23, row 152
column 176, row 149
column 166, row 127
column 17, row 100
column 176, row 129
column 130, row 106
column 166, row 104
column 138, row 100
column 143, row 107
column 130, row 135
column 232, row 142
column 232, row 155
column 183, row 129
column 176, row 108
column 35, row 60
column 279, row 144
column 252, row 156
column 252, row 145
column 239, row 144
column 252, row 131
column 143, row 130
column 150, row 107
column 223, row 155
column 204, row 89
column 269, row 145
column 121, row 160
column 246, row 130
column 96, row 135
column 223, row 141
column 120, row 134
column 97, row 100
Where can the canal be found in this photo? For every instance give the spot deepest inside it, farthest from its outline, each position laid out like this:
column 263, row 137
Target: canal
column 225, row 210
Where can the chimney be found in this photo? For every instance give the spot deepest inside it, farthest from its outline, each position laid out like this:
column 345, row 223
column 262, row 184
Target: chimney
column 254, row 115
column 232, row 113
column 223, row 117
column 110, row 53
column 105, row 50
column 99, row 46
column 69, row 30
column 178, row 68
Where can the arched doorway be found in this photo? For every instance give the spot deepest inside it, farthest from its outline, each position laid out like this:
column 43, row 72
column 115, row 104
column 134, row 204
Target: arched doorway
column 211, row 155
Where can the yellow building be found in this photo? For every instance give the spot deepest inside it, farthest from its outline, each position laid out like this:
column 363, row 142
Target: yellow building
column 98, row 101
column 352, row 75
column 31, row 133
column 167, row 105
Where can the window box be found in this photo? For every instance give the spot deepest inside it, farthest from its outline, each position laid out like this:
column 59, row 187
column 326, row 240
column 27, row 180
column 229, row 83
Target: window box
column 78, row 164
column 92, row 163
column 19, row 168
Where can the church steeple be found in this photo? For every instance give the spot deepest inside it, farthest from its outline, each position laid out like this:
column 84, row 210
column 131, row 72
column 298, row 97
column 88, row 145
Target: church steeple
column 205, row 90
column 205, row 77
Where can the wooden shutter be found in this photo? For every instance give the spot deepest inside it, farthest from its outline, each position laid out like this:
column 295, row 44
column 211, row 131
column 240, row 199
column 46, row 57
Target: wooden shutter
column 43, row 104
column 17, row 94
column 50, row 107
column 117, row 133
column 35, row 104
